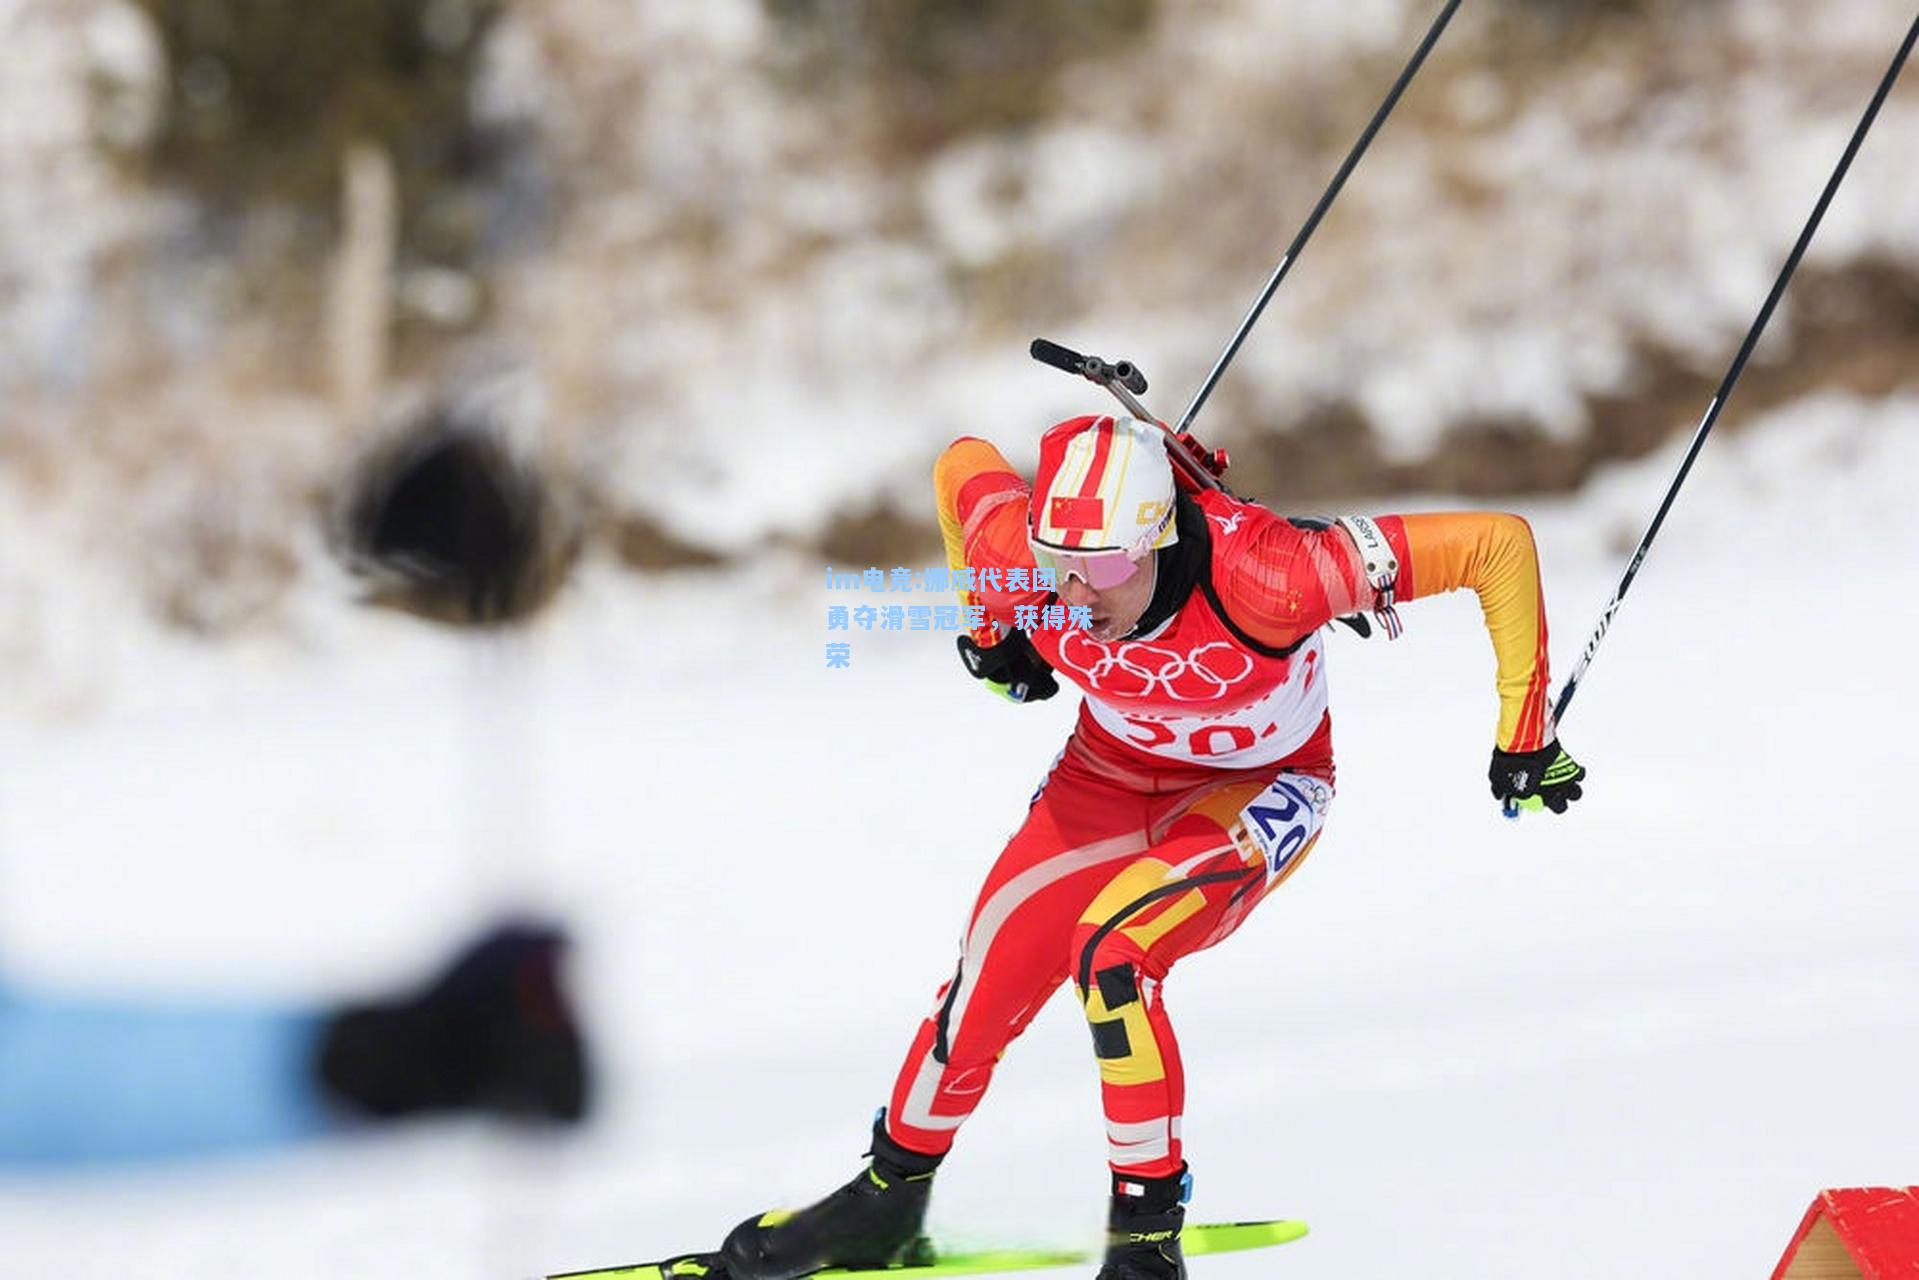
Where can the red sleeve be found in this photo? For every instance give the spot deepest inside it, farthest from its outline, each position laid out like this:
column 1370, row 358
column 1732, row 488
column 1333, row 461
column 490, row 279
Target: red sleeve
column 1288, row 582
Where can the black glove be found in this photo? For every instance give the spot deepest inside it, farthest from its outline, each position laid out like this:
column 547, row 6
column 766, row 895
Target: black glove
column 1544, row 779
column 1012, row 668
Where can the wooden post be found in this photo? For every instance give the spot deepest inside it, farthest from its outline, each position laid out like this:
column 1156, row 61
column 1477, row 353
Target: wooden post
column 360, row 294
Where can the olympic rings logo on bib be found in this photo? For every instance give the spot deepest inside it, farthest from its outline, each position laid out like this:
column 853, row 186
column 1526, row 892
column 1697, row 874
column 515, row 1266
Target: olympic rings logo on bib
column 1136, row 670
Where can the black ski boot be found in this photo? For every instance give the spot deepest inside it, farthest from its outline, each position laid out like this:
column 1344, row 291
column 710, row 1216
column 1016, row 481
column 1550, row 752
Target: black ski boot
column 494, row 1033
column 1142, row 1235
column 871, row 1221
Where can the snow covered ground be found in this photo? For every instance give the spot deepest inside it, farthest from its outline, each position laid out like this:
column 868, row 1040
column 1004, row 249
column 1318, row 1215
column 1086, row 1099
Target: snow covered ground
column 1635, row 1040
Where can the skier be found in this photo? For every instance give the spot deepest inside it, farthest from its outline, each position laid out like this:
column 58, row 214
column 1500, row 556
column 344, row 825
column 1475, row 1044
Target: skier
column 1194, row 783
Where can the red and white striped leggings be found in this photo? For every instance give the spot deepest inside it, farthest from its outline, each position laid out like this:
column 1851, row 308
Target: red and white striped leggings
column 1122, row 866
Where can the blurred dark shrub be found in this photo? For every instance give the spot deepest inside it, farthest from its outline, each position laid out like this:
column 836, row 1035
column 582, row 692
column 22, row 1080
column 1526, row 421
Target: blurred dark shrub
column 446, row 519
column 262, row 97
column 944, row 68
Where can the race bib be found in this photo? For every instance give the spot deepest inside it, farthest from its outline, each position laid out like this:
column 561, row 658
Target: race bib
column 1282, row 820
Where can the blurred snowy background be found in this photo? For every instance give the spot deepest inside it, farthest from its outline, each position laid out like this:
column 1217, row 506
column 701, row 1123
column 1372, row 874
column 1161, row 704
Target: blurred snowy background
column 726, row 275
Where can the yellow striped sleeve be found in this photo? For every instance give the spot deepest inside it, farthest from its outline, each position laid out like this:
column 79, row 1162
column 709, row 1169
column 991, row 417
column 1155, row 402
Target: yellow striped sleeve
column 982, row 514
column 1492, row 554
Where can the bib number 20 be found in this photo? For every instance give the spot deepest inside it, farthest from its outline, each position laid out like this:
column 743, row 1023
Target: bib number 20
column 1203, row 743
column 1284, row 818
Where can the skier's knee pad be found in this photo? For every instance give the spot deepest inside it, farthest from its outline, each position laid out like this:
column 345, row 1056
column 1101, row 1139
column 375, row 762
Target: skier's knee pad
column 1118, row 1004
column 1118, row 981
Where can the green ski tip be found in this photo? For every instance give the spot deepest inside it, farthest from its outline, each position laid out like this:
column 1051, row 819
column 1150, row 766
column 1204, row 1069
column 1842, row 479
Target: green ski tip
column 984, row 1263
column 1197, row 1240
column 1231, row 1237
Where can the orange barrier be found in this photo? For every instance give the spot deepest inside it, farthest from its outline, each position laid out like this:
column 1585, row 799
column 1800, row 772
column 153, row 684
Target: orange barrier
column 1859, row 1233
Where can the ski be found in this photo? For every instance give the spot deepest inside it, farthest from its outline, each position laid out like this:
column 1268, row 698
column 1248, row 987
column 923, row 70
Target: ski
column 1197, row 1240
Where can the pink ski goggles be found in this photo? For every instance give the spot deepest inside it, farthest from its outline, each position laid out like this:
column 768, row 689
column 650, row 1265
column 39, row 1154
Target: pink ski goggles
column 1100, row 570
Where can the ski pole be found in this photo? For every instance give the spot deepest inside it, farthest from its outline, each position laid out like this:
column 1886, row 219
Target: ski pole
column 1732, row 377
column 1205, row 466
column 1319, row 211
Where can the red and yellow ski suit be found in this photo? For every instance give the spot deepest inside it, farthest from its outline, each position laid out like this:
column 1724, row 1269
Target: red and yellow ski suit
column 1193, row 784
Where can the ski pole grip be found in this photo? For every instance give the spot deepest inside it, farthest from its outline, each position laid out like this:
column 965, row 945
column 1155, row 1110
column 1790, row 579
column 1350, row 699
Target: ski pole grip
column 1510, row 809
column 1059, row 357
column 1130, row 377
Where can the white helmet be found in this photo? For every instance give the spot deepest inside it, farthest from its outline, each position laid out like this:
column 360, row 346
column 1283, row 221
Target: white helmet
column 1104, row 484
column 1102, row 500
